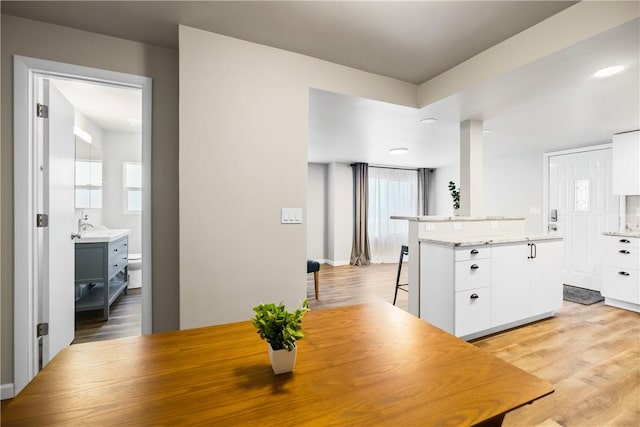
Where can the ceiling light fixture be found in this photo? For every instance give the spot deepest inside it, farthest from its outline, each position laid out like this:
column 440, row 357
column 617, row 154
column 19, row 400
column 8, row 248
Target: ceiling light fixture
column 428, row 120
column 399, row 150
column 82, row 134
column 609, row 71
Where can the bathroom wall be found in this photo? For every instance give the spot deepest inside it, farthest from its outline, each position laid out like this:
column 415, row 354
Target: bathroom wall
column 119, row 148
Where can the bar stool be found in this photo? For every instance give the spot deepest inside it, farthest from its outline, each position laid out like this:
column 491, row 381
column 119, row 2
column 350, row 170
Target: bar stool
column 404, row 250
column 314, row 267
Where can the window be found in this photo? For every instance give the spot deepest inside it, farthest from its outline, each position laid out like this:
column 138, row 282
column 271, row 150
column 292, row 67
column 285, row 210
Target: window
column 88, row 184
column 391, row 192
column 132, row 194
column 581, row 195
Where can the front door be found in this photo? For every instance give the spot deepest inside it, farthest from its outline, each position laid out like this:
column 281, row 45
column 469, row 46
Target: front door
column 581, row 207
column 58, row 260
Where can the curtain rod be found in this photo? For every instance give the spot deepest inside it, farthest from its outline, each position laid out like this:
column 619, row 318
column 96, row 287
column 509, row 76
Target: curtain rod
column 395, row 168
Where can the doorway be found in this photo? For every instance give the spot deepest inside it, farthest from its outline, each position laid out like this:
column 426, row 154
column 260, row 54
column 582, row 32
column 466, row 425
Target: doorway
column 39, row 168
column 580, row 206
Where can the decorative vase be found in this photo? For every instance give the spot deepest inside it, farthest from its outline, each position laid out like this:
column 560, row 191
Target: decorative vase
column 282, row 361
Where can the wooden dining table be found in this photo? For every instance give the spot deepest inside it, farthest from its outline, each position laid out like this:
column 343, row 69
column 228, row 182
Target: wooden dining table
column 359, row 365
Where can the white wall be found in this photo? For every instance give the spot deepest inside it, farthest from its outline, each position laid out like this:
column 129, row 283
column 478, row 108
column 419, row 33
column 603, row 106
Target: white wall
column 317, row 212
column 440, row 201
column 514, row 187
column 244, row 112
column 118, row 148
column 340, row 213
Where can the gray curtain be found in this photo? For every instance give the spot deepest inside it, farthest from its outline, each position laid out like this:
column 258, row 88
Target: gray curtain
column 360, row 253
column 424, row 175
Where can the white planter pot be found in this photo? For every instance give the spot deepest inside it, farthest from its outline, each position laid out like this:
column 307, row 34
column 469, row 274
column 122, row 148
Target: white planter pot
column 282, row 361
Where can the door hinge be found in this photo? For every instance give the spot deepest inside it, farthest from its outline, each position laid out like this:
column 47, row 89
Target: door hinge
column 42, row 329
column 42, row 220
column 42, row 111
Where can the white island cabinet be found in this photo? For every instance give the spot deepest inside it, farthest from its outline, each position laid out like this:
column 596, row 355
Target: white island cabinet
column 471, row 289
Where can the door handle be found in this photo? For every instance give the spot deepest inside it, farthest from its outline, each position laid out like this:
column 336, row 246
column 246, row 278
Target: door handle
column 552, row 227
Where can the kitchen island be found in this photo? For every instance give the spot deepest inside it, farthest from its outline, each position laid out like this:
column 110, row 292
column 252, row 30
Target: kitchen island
column 479, row 275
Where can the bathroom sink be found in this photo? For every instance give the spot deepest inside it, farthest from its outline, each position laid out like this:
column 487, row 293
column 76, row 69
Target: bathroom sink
column 102, row 236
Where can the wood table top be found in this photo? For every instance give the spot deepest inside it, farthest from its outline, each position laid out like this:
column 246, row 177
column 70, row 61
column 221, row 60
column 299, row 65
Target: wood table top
column 358, row 365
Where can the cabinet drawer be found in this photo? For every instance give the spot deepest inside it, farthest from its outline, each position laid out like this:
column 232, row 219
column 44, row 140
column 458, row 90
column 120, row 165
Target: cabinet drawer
column 621, row 284
column 621, row 242
column 472, row 311
column 472, row 274
column 472, row 252
column 117, row 264
column 622, row 257
column 118, row 247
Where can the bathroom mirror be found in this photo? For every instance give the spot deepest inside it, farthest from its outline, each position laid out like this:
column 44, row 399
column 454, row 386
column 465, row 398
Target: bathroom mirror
column 88, row 175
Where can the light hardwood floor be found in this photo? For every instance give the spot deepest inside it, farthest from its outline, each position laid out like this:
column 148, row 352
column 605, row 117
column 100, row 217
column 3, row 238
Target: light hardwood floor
column 591, row 354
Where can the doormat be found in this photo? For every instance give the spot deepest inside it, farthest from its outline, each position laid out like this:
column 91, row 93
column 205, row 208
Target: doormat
column 581, row 295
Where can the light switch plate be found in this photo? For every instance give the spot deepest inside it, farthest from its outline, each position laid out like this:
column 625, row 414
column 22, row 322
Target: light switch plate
column 291, row 216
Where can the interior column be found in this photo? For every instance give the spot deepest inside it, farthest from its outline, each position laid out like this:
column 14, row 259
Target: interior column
column 471, row 179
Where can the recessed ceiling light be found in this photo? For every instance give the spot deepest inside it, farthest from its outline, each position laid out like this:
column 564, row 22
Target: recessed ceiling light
column 399, row 150
column 486, row 130
column 429, row 120
column 609, row 71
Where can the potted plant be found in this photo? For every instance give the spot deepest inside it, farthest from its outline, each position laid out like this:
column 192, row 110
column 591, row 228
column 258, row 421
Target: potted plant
column 455, row 194
column 281, row 329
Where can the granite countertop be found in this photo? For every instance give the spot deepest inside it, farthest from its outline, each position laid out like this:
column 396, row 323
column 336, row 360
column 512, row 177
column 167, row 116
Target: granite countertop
column 622, row 233
column 457, row 218
column 477, row 240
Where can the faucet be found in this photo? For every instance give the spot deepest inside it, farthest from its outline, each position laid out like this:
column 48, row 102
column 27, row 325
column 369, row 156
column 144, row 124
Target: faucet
column 84, row 224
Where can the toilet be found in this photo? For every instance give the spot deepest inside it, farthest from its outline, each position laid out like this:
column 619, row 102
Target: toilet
column 135, row 271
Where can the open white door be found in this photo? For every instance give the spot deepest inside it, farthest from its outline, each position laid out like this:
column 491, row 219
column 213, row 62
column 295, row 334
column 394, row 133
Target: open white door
column 58, row 267
column 581, row 207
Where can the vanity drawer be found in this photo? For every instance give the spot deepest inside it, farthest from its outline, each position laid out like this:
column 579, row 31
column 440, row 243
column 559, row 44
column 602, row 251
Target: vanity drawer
column 472, row 252
column 621, row 284
column 117, row 264
column 623, row 257
column 118, row 247
column 472, row 311
column 472, row 274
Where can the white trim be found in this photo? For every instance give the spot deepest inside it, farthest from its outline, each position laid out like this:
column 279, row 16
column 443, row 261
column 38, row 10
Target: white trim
column 337, row 263
column 6, row 391
column 545, row 174
column 25, row 291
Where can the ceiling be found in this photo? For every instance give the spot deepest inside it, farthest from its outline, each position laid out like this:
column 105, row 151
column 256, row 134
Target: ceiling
column 399, row 39
column 550, row 104
column 113, row 109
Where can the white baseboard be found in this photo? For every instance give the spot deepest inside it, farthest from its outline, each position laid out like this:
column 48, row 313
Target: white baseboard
column 7, row 391
column 336, row 263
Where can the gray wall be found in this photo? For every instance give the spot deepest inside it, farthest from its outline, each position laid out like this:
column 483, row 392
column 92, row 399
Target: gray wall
column 56, row 43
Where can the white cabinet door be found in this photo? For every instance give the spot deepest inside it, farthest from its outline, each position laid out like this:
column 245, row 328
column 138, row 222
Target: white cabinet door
column 473, row 311
column 510, row 278
column 626, row 163
column 546, row 277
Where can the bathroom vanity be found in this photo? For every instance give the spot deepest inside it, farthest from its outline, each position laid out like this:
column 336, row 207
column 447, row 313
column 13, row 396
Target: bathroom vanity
column 101, row 270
